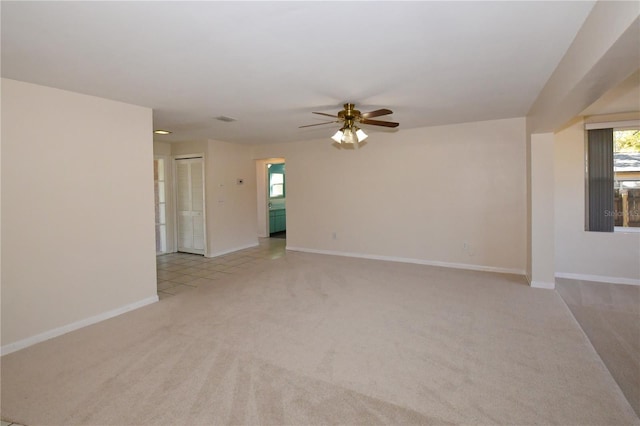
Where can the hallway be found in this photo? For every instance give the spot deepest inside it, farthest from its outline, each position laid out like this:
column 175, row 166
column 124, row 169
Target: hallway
column 180, row 272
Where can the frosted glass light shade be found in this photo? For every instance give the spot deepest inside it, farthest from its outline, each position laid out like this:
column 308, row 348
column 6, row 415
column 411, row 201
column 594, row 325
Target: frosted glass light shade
column 349, row 136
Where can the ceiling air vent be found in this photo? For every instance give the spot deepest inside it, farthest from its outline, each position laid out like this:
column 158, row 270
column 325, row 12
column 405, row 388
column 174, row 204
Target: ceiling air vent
column 226, row 119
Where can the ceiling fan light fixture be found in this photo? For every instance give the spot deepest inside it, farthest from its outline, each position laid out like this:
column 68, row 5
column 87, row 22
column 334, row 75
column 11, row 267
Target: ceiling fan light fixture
column 338, row 136
column 349, row 136
column 361, row 135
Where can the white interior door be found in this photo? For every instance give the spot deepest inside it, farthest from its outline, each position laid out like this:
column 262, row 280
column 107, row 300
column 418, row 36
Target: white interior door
column 190, row 204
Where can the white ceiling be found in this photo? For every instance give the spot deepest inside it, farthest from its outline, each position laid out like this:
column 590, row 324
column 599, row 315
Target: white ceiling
column 269, row 64
column 623, row 98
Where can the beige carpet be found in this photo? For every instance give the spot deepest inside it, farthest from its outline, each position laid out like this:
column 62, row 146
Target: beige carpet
column 311, row 339
column 609, row 314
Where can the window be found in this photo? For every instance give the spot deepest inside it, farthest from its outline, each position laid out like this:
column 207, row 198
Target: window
column 276, row 181
column 276, row 185
column 626, row 175
column 613, row 168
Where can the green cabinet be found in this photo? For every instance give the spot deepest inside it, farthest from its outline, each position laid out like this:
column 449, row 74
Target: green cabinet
column 277, row 220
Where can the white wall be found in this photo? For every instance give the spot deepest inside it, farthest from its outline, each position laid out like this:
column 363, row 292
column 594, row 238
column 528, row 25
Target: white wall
column 77, row 210
column 231, row 207
column 416, row 194
column 599, row 256
column 541, row 226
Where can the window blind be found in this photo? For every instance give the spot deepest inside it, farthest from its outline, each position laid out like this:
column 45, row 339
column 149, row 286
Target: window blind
column 600, row 180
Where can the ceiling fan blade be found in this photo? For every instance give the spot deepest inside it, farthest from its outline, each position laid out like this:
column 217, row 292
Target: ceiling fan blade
column 318, row 124
column 379, row 123
column 377, row 113
column 324, row 113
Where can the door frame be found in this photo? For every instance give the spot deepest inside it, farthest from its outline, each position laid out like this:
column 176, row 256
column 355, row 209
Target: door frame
column 175, row 196
column 262, row 190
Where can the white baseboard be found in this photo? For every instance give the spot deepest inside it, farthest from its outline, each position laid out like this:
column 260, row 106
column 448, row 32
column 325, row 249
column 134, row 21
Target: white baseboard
column 598, row 278
column 220, row 253
column 29, row 341
column 542, row 284
column 411, row 260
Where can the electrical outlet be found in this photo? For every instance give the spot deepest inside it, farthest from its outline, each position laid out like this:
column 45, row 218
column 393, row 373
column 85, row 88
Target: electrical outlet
column 468, row 248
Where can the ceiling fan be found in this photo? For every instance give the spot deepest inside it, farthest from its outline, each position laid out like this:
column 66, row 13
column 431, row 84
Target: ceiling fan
column 350, row 133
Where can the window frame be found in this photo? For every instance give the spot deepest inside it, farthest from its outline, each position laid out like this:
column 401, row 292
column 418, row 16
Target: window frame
column 614, row 126
column 626, row 229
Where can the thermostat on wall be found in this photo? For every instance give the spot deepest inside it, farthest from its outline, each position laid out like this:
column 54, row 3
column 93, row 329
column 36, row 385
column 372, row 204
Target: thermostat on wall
column 240, row 181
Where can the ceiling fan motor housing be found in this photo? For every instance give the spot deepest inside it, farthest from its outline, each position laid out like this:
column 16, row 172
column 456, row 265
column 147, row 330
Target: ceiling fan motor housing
column 349, row 114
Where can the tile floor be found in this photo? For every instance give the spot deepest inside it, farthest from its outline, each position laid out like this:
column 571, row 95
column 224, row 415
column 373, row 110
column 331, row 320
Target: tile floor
column 179, row 272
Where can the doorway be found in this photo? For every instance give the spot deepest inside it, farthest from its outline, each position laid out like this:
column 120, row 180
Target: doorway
column 190, row 205
column 271, row 193
column 277, row 200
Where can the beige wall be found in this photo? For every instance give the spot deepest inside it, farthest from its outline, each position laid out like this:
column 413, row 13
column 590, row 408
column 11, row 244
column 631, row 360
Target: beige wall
column 194, row 147
column 161, row 148
column 610, row 256
column 262, row 211
column 231, row 207
column 529, row 202
column 416, row 194
column 541, row 228
column 1, row 325
column 77, row 210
